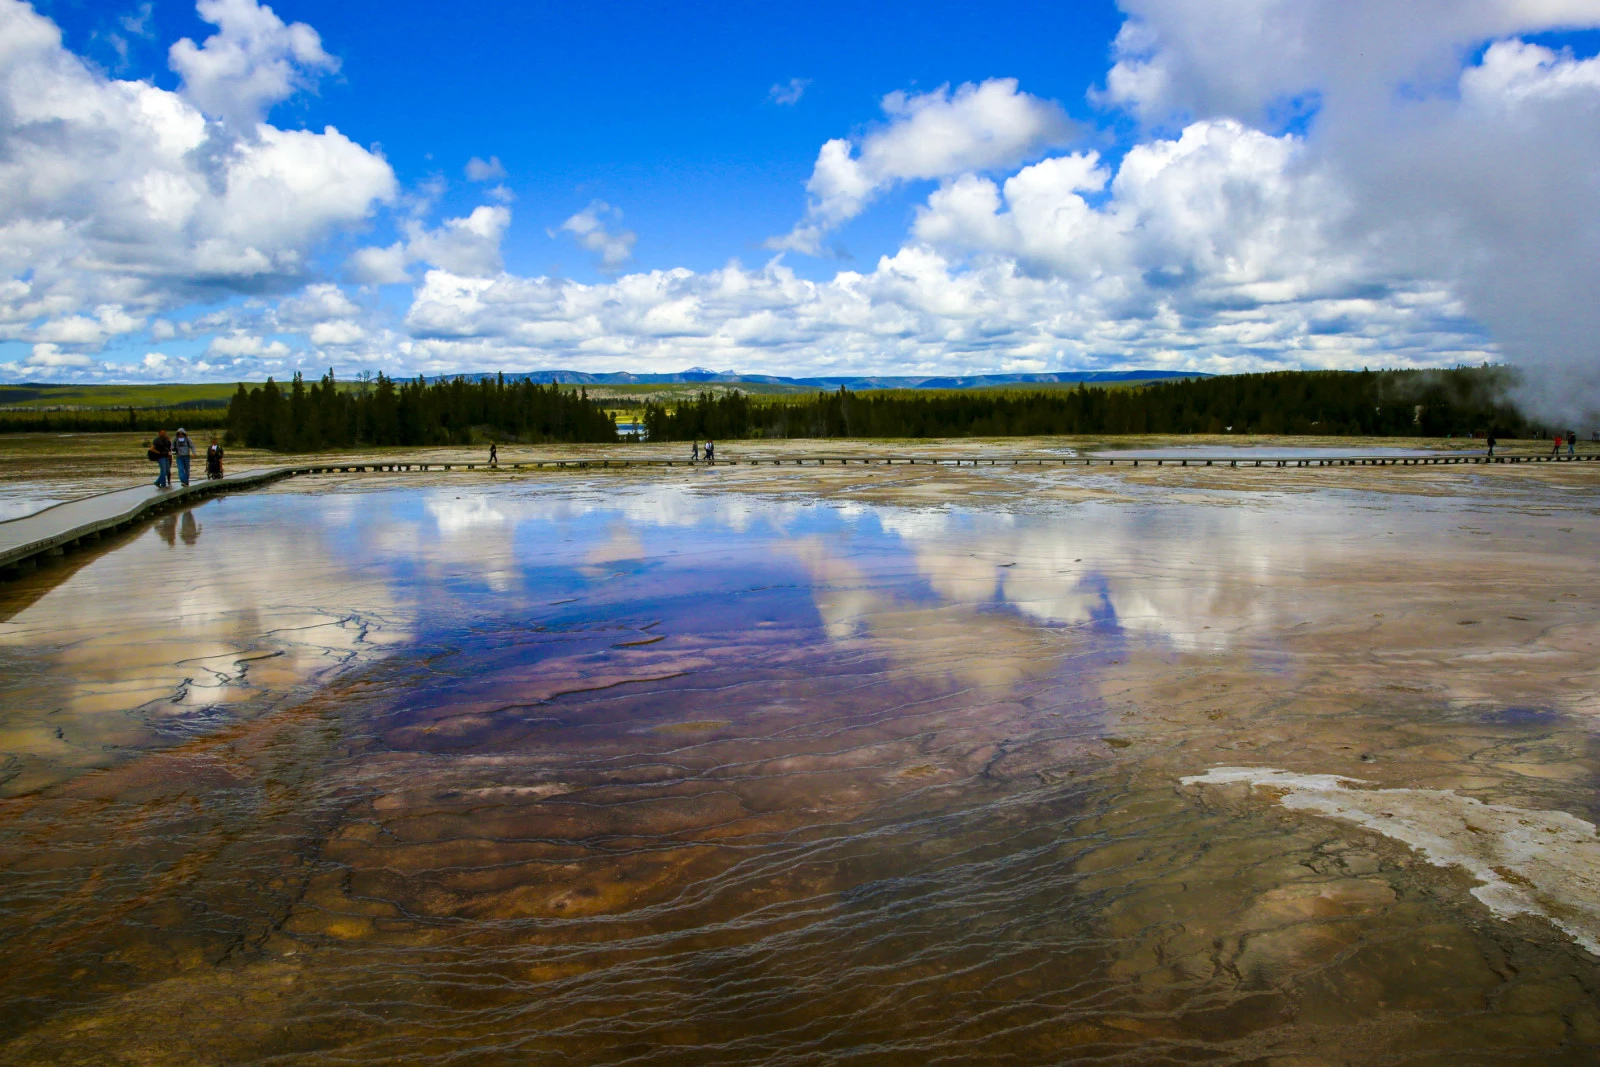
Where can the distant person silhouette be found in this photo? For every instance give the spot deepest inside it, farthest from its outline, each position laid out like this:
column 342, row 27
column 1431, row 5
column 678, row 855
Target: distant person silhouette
column 214, row 459
column 1556, row 451
column 1492, row 443
column 694, row 452
column 1572, row 442
column 711, row 452
column 494, row 454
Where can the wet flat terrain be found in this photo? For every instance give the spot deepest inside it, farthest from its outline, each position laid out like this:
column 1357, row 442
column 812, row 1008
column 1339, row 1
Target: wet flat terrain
column 758, row 766
column 38, row 470
column 1277, row 452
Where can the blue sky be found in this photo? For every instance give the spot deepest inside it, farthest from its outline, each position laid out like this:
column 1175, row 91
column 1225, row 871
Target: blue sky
column 662, row 109
column 229, row 190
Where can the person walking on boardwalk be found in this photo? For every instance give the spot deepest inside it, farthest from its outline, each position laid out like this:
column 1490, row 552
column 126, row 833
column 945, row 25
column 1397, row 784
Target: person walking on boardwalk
column 694, row 451
column 214, row 459
column 183, row 448
column 161, row 452
column 1492, row 443
column 1556, row 451
column 711, row 452
column 494, row 454
column 1572, row 442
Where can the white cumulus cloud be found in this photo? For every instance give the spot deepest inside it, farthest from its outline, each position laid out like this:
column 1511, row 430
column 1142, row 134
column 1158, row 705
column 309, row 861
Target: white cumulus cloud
column 379, row 266
column 316, row 303
column 479, row 170
column 1278, row 183
column 927, row 136
column 337, row 333
column 119, row 199
column 252, row 62
column 918, row 311
column 50, row 355
column 467, row 245
column 109, row 321
column 592, row 229
column 1478, row 174
column 244, row 344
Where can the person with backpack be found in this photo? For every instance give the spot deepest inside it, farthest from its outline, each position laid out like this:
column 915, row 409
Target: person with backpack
column 214, row 459
column 711, row 453
column 161, row 454
column 183, row 448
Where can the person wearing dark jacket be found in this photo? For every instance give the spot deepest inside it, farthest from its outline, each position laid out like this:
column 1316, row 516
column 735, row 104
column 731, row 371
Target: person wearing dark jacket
column 214, row 459
column 161, row 452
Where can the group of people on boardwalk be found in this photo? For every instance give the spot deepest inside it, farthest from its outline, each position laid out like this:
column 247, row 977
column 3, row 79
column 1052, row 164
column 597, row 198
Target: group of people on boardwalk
column 164, row 450
column 711, row 452
column 1570, row 439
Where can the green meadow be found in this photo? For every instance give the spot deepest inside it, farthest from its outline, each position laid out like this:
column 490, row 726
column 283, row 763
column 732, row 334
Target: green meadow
column 89, row 397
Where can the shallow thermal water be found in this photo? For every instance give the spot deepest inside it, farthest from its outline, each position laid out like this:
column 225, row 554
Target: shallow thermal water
column 1261, row 451
column 622, row 771
column 14, row 504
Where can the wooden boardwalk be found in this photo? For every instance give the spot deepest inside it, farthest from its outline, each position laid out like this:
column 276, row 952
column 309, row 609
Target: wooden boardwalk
column 57, row 530
column 954, row 461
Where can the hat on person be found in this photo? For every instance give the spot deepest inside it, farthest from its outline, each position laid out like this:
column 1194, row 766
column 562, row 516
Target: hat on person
column 182, row 430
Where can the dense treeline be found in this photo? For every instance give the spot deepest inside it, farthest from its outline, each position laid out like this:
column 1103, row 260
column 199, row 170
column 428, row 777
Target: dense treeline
column 110, row 420
column 303, row 418
column 1367, row 403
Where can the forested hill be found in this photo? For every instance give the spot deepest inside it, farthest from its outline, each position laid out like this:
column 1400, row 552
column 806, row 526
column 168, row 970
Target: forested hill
column 1375, row 403
column 302, row 418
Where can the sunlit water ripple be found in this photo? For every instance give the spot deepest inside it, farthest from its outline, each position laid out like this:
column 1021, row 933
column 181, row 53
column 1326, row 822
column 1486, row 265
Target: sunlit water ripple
column 613, row 772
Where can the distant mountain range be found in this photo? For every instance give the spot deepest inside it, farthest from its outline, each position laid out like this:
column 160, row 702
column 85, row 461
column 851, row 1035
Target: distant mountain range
column 698, row 376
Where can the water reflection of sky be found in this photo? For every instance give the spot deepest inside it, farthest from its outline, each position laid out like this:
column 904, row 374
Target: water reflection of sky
column 617, row 742
column 700, row 558
column 247, row 600
column 603, row 559
column 15, row 504
column 1273, row 451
